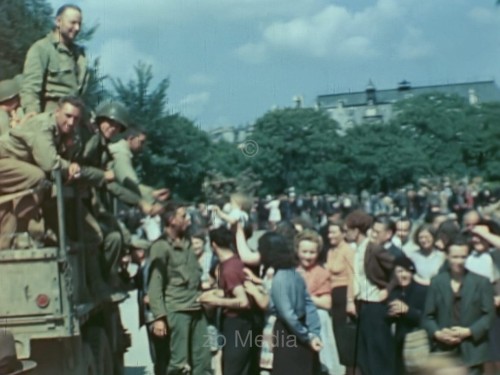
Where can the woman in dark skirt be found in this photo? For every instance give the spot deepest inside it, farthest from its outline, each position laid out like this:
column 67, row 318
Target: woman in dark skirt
column 296, row 333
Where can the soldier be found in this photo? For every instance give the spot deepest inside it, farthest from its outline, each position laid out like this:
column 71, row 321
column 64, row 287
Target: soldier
column 9, row 103
column 174, row 290
column 27, row 155
column 123, row 152
column 55, row 66
column 101, row 227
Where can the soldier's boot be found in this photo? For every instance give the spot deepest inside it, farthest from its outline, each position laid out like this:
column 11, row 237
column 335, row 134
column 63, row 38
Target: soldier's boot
column 98, row 288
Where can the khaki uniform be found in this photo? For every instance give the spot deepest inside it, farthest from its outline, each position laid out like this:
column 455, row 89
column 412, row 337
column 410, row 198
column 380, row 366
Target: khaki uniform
column 173, row 291
column 5, row 121
column 10, row 120
column 27, row 155
column 101, row 229
column 51, row 71
column 124, row 170
column 37, row 142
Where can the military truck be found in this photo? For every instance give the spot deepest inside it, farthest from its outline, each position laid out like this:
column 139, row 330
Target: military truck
column 45, row 304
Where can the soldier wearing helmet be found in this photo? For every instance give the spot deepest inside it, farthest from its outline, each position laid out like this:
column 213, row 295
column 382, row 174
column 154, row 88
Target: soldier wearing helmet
column 9, row 103
column 101, row 229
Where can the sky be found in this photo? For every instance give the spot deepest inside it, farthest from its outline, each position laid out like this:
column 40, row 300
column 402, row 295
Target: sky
column 231, row 61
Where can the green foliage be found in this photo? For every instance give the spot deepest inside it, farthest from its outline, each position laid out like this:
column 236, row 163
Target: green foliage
column 21, row 24
column 431, row 135
column 296, row 147
column 178, row 154
column 96, row 92
column 147, row 106
column 227, row 159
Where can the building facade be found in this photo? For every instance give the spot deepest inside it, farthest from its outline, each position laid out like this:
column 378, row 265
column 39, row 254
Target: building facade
column 370, row 106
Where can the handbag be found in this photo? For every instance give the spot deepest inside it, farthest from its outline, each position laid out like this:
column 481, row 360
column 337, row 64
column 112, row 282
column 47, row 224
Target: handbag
column 416, row 349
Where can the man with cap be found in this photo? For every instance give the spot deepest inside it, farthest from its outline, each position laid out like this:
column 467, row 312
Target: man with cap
column 406, row 305
column 158, row 346
column 459, row 309
column 27, row 156
column 55, row 66
column 9, row 103
column 9, row 364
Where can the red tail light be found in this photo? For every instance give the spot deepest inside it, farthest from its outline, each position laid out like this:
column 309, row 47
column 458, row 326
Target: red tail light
column 42, row 301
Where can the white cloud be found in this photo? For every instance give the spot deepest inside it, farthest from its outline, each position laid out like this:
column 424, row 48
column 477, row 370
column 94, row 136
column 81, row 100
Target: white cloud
column 484, row 15
column 119, row 56
column 252, row 53
column 414, row 46
column 336, row 32
column 201, row 79
column 150, row 13
column 192, row 105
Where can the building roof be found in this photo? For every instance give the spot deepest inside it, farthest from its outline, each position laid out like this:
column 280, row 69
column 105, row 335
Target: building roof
column 485, row 91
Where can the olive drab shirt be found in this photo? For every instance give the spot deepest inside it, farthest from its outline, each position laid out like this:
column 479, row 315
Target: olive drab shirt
column 94, row 155
column 124, row 170
column 37, row 142
column 10, row 120
column 5, row 121
column 51, row 71
column 175, row 277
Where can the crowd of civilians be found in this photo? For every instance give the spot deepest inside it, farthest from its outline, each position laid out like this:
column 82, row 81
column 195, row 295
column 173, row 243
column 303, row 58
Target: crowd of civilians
column 325, row 285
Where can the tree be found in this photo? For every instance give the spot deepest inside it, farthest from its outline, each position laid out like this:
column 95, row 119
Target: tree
column 380, row 157
column 21, row 24
column 177, row 153
column 295, row 147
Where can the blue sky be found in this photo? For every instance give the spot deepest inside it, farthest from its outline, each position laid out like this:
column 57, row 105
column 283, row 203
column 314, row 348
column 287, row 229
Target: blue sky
column 230, row 61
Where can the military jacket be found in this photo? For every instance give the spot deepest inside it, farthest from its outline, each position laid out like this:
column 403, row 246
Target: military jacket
column 51, row 71
column 95, row 156
column 175, row 277
column 38, row 142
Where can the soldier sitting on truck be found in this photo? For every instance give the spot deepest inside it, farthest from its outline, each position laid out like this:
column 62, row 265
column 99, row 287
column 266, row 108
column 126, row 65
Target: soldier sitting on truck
column 9, row 103
column 27, row 155
column 101, row 228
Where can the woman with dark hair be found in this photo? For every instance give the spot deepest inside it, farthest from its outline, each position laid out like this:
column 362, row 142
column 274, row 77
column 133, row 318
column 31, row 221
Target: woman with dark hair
column 297, row 328
column 427, row 259
column 446, row 231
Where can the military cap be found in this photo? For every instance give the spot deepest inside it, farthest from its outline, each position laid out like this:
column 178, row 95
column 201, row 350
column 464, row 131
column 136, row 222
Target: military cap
column 114, row 111
column 8, row 89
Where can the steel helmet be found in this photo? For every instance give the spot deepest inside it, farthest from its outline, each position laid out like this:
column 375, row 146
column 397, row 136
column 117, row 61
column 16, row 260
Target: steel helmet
column 8, row 89
column 114, row 111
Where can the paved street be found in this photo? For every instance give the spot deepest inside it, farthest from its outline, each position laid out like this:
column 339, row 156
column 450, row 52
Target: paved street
column 137, row 359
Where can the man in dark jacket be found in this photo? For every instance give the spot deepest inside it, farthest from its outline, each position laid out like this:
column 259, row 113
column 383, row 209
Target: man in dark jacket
column 459, row 309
